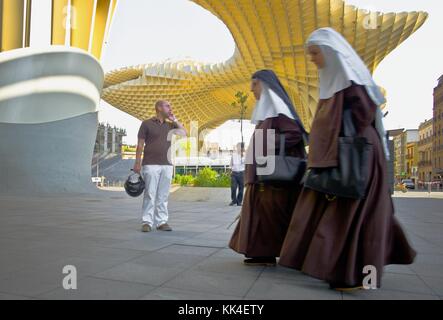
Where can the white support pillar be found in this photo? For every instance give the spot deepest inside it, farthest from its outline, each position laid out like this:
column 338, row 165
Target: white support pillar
column 105, row 142
column 113, row 140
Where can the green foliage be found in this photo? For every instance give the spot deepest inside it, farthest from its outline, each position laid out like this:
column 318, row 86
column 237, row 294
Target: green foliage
column 126, row 148
column 223, row 180
column 206, row 177
column 187, row 180
column 240, row 102
column 184, row 180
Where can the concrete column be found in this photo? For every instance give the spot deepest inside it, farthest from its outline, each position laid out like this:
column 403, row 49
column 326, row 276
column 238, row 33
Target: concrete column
column 105, row 142
column 113, row 140
column 48, row 129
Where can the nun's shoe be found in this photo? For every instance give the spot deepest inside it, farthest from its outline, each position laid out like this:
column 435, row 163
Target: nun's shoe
column 344, row 287
column 262, row 261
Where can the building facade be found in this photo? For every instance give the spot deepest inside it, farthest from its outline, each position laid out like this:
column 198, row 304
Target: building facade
column 109, row 139
column 438, row 131
column 425, row 144
column 412, row 160
column 395, row 149
column 406, row 154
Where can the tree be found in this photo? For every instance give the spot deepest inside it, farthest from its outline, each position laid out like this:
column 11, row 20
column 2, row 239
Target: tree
column 240, row 103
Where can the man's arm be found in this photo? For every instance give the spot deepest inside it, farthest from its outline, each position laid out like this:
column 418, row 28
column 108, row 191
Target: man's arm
column 138, row 156
column 231, row 164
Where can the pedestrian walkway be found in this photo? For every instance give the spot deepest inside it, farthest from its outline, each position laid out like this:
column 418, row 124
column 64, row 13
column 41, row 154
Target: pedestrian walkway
column 100, row 235
column 419, row 194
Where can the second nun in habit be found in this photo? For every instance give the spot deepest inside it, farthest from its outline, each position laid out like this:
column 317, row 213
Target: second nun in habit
column 267, row 209
column 336, row 239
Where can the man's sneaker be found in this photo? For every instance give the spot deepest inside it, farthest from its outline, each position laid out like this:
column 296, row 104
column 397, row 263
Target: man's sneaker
column 164, row 227
column 239, row 204
column 146, row 228
column 232, row 203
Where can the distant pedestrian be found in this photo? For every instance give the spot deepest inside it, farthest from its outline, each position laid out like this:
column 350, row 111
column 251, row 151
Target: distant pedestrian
column 237, row 175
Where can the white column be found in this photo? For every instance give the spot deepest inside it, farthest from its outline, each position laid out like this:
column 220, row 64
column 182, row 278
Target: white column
column 113, row 140
column 105, row 143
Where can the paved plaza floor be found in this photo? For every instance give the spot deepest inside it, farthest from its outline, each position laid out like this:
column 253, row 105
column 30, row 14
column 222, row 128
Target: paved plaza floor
column 100, row 235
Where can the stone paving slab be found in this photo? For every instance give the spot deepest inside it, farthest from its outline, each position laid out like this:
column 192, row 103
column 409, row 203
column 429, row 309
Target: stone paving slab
column 100, row 235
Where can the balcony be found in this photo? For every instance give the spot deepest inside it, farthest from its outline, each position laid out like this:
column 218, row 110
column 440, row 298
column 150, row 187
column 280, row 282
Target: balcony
column 425, row 141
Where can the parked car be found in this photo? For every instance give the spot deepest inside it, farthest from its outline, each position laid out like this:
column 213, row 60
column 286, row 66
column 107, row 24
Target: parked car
column 400, row 187
column 408, row 183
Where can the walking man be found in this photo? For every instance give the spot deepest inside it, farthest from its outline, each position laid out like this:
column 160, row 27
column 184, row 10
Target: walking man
column 237, row 173
column 154, row 140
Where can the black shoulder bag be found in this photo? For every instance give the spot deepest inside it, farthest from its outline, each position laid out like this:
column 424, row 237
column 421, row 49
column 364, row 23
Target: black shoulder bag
column 349, row 179
column 287, row 168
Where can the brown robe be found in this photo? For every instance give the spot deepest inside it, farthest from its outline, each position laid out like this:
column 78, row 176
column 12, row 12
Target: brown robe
column 334, row 240
column 267, row 209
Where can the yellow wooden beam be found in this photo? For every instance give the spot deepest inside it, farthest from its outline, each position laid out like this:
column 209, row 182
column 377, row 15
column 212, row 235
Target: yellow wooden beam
column 58, row 23
column 1, row 23
column 82, row 16
column 12, row 24
column 100, row 23
column 28, row 23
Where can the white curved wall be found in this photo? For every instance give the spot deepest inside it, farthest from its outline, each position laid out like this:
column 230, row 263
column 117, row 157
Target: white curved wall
column 30, row 81
column 48, row 120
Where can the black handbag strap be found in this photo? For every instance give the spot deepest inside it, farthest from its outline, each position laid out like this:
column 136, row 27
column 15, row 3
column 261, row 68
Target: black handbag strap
column 348, row 124
column 282, row 145
column 282, row 151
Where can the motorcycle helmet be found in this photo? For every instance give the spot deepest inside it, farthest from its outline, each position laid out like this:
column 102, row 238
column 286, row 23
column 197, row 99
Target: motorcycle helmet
column 134, row 185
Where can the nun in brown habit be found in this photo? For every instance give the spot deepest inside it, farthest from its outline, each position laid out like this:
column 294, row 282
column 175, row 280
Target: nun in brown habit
column 267, row 209
column 334, row 239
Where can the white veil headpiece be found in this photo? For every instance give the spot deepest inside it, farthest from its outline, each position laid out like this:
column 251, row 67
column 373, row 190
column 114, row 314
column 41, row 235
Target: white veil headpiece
column 269, row 105
column 342, row 67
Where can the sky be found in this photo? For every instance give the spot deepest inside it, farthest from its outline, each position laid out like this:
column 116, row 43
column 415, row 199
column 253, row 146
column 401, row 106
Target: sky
column 155, row 30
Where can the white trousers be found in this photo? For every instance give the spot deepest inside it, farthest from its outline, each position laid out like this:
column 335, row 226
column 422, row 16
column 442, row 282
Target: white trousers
column 155, row 201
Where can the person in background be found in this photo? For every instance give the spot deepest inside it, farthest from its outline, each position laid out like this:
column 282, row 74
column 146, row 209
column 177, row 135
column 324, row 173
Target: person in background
column 154, row 141
column 267, row 209
column 237, row 175
column 336, row 239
